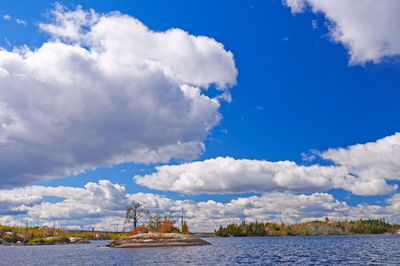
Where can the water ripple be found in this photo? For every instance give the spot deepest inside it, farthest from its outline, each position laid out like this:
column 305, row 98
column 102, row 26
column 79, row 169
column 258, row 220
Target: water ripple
column 321, row 250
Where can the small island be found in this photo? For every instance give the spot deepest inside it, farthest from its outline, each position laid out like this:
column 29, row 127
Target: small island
column 157, row 232
column 157, row 240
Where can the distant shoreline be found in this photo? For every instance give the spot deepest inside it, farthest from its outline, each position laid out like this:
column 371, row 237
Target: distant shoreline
column 267, row 236
column 358, row 227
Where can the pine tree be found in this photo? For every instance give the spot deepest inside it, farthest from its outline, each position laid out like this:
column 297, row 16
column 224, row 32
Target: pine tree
column 185, row 228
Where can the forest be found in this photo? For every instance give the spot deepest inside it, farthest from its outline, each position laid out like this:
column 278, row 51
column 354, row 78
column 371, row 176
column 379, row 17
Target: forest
column 361, row 226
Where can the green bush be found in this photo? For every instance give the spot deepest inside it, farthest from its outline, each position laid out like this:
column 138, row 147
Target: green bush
column 38, row 241
column 63, row 239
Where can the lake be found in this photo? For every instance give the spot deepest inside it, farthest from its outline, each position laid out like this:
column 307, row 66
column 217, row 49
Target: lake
column 353, row 249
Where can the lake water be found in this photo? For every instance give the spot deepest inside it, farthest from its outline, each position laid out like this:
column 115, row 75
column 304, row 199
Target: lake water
column 358, row 250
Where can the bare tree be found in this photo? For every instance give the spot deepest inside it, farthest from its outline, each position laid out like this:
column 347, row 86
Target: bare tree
column 134, row 211
column 157, row 221
column 182, row 222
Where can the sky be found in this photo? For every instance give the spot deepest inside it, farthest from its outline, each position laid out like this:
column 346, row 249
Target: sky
column 281, row 110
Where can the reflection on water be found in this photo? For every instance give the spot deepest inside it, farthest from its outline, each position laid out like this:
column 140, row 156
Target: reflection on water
column 362, row 249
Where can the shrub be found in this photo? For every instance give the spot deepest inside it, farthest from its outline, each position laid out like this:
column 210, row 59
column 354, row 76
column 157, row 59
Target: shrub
column 137, row 230
column 64, row 239
column 38, row 241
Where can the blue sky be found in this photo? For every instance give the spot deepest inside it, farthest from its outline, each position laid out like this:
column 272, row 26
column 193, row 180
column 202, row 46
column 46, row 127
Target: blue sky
column 304, row 85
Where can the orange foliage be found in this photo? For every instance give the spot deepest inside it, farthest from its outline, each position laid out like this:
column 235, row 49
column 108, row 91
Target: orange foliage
column 166, row 227
column 135, row 230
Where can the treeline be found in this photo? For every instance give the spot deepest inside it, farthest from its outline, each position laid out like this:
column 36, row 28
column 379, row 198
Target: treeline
column 370, row 226
column 45, row 235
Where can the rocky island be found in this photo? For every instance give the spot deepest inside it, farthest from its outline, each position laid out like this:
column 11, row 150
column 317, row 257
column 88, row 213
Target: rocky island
column 21, row 240
column 157, row 240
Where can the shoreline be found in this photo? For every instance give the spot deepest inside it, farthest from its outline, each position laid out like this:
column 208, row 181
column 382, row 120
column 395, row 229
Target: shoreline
column 367, row 234
column 174, row 244
column 50, row 241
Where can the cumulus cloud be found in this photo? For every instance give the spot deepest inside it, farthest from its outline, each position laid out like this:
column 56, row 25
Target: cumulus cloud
column 10, row 220
column 102, row 205
column 229, row 175
column 105, row 89
column 367, row 28
column 15, row 203
column 92, row 204
column 362, row 169
column 373, row 163
column 29, row 199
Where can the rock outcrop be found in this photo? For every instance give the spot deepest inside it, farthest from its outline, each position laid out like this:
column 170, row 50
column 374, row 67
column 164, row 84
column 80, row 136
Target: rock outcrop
column 78, row 240
column 157, row 240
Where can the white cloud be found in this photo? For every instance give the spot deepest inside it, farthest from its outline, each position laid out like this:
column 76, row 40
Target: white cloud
column 102, row 205
column 20, row 21
column 367, row 28
column 296, row 6
column 10, row 220
column 95, row 201
column 7, row 17
column 227, row 175
column 373, row 163
column 363, row 169
column 195, row 60
column 310, row 156
column 12, row 203
column 105, row 90
column 78, row 206
column 69, row 24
